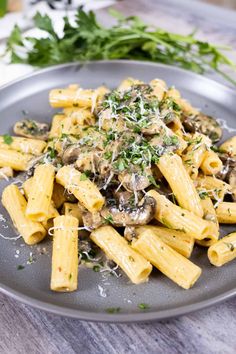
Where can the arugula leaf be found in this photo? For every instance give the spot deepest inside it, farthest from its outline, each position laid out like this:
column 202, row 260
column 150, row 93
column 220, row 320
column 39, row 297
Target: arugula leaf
column 130, row 38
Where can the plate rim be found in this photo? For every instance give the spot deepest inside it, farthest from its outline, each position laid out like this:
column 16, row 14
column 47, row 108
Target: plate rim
column 148, row 316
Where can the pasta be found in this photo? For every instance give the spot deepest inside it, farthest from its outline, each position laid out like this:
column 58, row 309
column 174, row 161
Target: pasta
column 177, row 218
column 229, row 146
column 23, row 145
column 15, row 204
column 117, row 248
column 194, row 154
column 14, row 159
column 223, row 251
column 226, row 213
column 129, row 178
column 64, row 275
column 172, row 168
column 40, row 194
column 178, row 240
column 82, row 188
column 211, row 163
column 72, row 209
column 210, row 215
column 172, row 264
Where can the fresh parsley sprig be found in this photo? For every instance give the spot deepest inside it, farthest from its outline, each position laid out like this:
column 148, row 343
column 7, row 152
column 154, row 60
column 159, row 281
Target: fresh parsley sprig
column 130, row 38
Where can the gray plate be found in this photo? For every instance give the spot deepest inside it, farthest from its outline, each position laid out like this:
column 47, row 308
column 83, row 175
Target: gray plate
column 97, row 292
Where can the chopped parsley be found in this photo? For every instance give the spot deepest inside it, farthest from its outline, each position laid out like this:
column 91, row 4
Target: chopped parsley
column 20, row 267
column 7, row 139
column 143, row 306
column 109, row 219
column 96, row 268
column 83, row 177
column 113, row 310
column 230, row 246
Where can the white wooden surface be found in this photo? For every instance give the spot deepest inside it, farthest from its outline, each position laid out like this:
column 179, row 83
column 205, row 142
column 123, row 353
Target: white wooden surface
column 27, row 330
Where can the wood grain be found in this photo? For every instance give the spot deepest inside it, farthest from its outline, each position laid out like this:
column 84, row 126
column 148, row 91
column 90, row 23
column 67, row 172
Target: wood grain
column 27, row 330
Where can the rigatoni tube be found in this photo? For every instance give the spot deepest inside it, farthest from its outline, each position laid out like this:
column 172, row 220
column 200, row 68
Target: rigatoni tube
column 223, row 251
column 178, row 240
column 136, row 267
column 175, row 217
column 210, row 215
column 83, row 189
column 14, row 159
column 226, row 213
column 15, row 204
column 169, row 262
column 172, row 168
column 40, row 194
column 64, row 276
column 23, row 145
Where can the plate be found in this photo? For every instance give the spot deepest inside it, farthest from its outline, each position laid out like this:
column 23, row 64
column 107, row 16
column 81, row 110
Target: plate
column 99, row 292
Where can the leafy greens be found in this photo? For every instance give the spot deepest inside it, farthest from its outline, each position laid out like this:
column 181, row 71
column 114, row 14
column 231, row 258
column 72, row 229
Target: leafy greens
column 130, row 38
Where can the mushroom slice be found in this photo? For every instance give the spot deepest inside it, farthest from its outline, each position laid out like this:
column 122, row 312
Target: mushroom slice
column 70, row 154
column 130, row 233
column 232, row 182
column 229, row 163
column 128, row 215
column 204, row 124
column 92, row 220
column 31, row 129
column 135, row 181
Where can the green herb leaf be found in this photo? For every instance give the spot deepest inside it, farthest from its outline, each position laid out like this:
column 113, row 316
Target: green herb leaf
column 83, row 177
column 7, row 139
column 20, row 267
column 109, row 219
column 96, row 268
column 113, row 309
column 143, row 306
column 129, row 39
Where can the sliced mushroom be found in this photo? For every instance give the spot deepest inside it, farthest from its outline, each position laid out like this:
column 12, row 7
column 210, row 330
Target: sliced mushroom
column 229, row 163
column 70, row 154
column 124, row 198
column 232, row 182
column 204, row 124
column 130, row 233
column 128, row 215
column 69, row 197
column 134, row 181
column 31, row 129
column 92, row 220
column 85, row 160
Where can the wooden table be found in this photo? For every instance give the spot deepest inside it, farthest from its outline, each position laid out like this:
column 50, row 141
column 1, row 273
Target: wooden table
column 26, row 330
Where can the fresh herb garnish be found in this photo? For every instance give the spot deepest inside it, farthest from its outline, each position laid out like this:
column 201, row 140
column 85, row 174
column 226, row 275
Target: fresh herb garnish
column 20, row 267
column 113, row 309
column 131, row 38
column 83, row 177
column 109, row 219
column 143, row 306
column 96, row 268
column 230, row 246
column 7, row 139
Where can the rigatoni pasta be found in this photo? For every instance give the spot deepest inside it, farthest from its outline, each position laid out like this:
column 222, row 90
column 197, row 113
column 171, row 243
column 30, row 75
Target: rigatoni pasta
column 117, row 248
column 223, row 251
column 40, row 195
column 82, row 188
column 64, row 275
column 14, row 159
column 172, row 264
column 15, row 204
column 122, row 179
